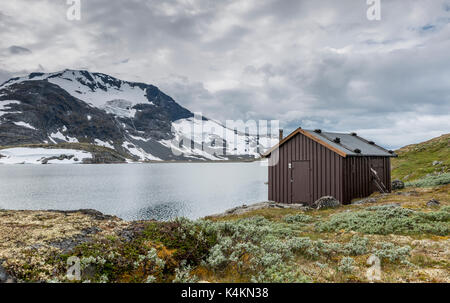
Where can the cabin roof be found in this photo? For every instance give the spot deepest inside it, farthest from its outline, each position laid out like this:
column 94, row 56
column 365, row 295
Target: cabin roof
column 346, row 144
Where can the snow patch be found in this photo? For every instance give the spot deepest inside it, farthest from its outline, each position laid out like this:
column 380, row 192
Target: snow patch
column 77, row 83
column 214, row 137
column 139, row 152
column 6, row 104
column 138, row 138
column 24, row 124
column 25, row 155
column 103, row 143
column 58, row 135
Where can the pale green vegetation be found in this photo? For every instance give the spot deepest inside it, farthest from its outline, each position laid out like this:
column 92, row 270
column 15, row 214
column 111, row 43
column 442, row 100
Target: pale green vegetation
column 390, row 220
column 415, row 161
column 430, row 181
column 272, row 245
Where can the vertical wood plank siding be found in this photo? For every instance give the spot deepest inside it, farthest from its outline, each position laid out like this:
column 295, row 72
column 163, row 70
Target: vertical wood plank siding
column 325, row 174
column 331, row 174
column 358, row 179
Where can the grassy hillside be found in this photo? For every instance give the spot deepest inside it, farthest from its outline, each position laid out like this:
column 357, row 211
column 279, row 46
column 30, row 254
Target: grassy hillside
column 415, row 161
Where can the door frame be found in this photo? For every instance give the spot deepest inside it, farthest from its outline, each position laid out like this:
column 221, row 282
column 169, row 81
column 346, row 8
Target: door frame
column 292, row 181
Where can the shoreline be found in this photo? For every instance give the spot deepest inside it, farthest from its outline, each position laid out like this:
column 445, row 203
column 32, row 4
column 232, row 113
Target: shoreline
column 101, row 155
column 35, row 244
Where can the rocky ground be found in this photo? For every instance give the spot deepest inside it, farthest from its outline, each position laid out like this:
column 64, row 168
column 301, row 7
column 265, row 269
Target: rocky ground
column 266, row 242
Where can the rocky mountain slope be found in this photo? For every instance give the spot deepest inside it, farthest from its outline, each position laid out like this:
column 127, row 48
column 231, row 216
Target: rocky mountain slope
column 134, row 119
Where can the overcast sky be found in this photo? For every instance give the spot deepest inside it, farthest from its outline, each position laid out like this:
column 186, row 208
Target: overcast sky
column 315, row 64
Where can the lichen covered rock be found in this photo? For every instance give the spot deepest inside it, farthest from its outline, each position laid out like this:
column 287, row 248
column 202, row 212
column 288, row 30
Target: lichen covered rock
column 397, row 184
column 326, row 202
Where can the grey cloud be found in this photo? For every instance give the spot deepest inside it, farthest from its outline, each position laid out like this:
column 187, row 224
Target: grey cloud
column 5, row 76
column 18, row 50
column 319, row 64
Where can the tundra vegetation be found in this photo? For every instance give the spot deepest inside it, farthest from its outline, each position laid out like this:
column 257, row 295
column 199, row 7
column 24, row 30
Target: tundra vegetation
column 410, row 239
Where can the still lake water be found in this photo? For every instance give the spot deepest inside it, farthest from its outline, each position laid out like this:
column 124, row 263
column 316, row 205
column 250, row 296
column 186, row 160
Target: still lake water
column 134, row 191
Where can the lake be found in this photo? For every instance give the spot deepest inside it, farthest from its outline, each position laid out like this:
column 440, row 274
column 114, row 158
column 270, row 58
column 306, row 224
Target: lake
column 159, row 191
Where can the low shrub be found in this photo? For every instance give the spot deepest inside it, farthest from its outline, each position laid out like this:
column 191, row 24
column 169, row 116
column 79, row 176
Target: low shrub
column 297, row 218
column 191, row 240
column 357, row 246
column 389, row 252
column 389, row 220
column 346, row 265
column 430, row 181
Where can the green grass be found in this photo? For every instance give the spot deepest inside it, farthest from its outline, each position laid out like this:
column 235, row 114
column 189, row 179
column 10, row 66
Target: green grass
column 416, row 161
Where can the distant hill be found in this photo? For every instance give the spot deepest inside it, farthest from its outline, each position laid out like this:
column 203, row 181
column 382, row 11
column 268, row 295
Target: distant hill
column 417, row 161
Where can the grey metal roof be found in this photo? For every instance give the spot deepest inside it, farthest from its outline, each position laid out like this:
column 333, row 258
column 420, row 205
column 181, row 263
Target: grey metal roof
column 349, row 143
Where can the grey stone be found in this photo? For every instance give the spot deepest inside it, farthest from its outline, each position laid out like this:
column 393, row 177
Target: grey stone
column 397, row 184
column 262, row 205
column 435, row 163
column 365, row 201
column 5, row 277
column 326, row 202
column 433, row 203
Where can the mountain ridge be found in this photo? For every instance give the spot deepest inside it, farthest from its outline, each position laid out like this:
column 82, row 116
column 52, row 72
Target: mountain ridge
column 135, row 118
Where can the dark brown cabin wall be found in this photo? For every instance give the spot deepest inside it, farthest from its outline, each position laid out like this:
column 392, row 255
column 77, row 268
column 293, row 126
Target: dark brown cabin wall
column 326, row 170
column 269, row 177
column 388, row 169
column 357, row 176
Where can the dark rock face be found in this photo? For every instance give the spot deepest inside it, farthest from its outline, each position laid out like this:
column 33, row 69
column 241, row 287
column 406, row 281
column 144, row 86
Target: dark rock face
column 326, row 202
column 48, row 108
column 397, row 184
column 134, row 119
column 61, row 157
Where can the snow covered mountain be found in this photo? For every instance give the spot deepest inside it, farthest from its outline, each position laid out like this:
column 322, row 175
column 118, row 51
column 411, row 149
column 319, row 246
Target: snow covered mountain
column 135, row 119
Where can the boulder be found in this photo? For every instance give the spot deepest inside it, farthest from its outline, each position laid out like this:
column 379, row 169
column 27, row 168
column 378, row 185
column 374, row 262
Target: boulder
column 326, row 202
column 433, row 203
column 262, row 205
column 5, row 277
column 397, row 184
column 435, row 163
column 365, row 201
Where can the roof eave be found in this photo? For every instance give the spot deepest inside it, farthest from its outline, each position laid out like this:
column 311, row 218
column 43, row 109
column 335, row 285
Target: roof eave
column 305, row 133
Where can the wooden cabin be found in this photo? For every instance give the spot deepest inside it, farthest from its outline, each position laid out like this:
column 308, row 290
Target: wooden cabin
column 310, row 164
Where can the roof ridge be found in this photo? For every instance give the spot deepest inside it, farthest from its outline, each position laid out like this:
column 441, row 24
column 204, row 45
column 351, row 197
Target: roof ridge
column 341, row 149
column 328, row 138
